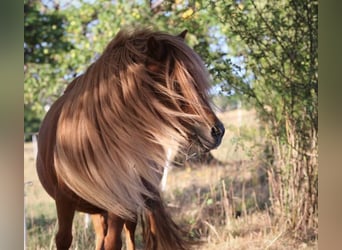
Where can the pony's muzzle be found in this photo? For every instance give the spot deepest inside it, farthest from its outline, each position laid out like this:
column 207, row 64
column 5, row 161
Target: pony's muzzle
column 217, row 132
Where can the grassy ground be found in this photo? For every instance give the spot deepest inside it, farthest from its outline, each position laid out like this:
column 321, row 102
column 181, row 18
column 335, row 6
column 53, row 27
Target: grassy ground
column 225, row 205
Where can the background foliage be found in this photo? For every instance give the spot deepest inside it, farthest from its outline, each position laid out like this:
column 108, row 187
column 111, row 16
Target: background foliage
column 261, row 53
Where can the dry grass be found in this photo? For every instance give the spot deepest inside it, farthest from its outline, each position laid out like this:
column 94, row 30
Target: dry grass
column 225, row 206
column 197, row 198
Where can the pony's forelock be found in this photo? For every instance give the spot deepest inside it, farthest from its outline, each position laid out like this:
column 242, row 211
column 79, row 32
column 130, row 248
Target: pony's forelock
column 121, row 116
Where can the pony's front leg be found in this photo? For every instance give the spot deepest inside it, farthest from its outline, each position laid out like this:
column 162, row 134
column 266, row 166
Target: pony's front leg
column 65, row 215
column 112, row 239
column 129, row 232
column 100, row 227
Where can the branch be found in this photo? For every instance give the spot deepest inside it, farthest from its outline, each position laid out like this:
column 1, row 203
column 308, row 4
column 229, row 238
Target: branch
column 273, row 32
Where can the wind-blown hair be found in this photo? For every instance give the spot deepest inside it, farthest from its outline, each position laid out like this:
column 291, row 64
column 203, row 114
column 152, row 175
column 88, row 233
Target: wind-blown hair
column 141, row 97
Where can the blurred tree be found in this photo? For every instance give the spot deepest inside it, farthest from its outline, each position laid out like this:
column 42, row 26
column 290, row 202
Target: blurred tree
column 276, row 44
column 44, row 34
column 43, row 41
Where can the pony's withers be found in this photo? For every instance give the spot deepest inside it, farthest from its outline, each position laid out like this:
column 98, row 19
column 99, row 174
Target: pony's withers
column 121, row 115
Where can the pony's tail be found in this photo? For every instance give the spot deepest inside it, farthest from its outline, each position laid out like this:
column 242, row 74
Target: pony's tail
column 160, row 232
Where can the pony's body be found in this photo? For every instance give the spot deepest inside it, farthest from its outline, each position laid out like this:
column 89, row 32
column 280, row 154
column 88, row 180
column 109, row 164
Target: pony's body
column 102, row 145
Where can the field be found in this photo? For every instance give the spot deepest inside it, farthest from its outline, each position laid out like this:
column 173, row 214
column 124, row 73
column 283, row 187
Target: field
column 224, row 204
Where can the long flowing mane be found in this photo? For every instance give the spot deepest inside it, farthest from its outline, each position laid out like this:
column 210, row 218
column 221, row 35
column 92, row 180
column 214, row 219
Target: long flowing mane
column 121, row 115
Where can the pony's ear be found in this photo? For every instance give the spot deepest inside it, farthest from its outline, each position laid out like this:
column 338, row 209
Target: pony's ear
column 156, row 52
column 183, row 34
column 156, row 49
column 152, row 43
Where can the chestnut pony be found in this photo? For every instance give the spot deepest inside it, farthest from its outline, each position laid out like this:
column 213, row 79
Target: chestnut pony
column 102, row 145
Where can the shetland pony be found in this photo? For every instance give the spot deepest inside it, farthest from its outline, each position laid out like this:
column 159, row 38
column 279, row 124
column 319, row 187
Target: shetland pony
column 102, row 145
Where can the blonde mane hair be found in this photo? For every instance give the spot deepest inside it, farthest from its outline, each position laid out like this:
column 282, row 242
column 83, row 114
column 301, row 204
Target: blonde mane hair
column 118, row 119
